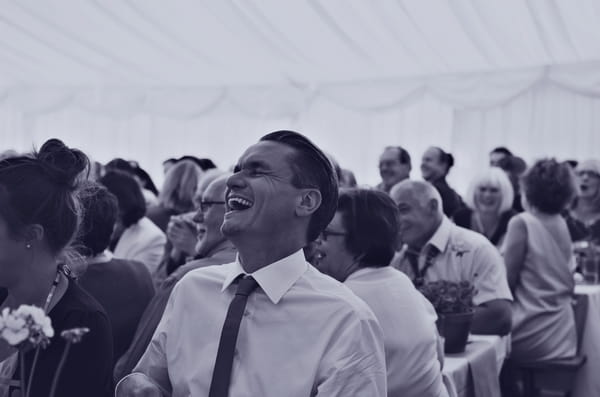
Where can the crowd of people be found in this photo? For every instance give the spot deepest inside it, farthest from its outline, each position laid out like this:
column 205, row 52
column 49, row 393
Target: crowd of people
column 280, row 276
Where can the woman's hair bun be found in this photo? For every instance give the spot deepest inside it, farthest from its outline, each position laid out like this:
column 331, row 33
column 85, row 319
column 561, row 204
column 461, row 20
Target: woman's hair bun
column 61, row 163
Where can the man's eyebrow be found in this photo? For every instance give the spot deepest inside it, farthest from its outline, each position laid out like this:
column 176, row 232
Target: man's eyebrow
column 251, row 164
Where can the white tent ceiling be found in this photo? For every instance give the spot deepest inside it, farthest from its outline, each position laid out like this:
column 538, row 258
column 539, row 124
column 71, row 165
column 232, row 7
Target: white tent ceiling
column 153, row 43
column 433, row 71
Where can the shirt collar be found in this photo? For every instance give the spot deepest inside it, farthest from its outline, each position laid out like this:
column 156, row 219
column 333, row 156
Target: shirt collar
column 102, row 257
column 441, row 236
column 276, row 278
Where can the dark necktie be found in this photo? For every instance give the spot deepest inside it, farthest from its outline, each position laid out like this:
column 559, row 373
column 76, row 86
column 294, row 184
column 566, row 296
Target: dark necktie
column 219, row 386
column 419, row 274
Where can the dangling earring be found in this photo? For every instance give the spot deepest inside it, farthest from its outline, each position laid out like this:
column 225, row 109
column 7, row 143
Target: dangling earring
column 28, row 246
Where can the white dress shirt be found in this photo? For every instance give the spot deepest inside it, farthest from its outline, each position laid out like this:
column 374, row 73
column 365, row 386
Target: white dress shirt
column 302, row 334
column 464, row 255
column 410, row 336
column 143, row 242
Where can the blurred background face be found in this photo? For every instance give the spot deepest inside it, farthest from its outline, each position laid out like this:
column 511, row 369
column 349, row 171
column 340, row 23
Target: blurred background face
column 431, row 167
column 391, row 169
column 209, row 218
column 417, row 221
column 332, row 256
column 488, row 198
column 589, row 183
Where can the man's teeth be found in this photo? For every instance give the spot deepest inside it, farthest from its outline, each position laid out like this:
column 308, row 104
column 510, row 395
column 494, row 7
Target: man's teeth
column 239, row 203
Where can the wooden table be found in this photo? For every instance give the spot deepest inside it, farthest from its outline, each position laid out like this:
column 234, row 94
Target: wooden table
column 475, row 372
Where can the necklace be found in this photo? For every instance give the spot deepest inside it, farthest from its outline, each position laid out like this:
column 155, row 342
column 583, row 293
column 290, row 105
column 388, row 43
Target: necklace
column 52, row 290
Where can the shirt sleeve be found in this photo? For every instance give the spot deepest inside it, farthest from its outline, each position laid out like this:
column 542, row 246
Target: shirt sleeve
column 153, row 363
column 355, row 363
column 489, row 275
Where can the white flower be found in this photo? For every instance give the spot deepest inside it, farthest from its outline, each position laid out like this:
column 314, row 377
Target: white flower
column 26, row 322
column 14, row 336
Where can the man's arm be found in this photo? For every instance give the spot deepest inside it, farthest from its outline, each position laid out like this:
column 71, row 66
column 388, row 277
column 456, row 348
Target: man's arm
column 355, row 363
column 151, row 373
column 492, row 318
column 493, row 311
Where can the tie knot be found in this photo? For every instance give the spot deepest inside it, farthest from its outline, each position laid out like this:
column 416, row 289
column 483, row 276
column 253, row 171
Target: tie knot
column 431, row 251
column 246, row 285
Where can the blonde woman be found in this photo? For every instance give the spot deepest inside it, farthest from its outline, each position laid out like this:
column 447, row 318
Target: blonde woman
column 489, row 202
column 177, row 193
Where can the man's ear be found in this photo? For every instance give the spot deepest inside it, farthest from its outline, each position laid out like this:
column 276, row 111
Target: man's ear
column 33, row 234
column 310, row 201
column 433, row 206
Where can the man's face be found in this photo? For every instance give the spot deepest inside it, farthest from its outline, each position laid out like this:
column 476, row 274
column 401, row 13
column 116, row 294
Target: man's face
column 416, row 218
column 391, row 169
column 209, row 218
column 333, row 258
column 495, row 158
column 261, row 200
column 431, row 167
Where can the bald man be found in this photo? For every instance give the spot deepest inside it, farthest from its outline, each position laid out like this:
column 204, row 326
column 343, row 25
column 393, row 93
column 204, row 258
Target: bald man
column 436, row 249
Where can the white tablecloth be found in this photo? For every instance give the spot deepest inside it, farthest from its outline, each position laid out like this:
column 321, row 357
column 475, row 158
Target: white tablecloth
column 587, row 382
column 458, row 366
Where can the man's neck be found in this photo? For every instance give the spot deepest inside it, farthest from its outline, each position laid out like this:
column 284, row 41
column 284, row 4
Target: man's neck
column 253, row 258
column 418, row 245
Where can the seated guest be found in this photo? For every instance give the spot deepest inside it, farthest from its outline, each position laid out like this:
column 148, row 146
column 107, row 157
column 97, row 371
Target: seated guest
column 356, row 249
column 540, row 266
column 122, row 287
column 39, row 214
column 585, row 212
column 182, row 232
column 394, row 166
column 435, row 166
column 177, row 193
column 285, row 328
column 488, row 205
column 436, row 249
column 212, row 247
column 135, row 236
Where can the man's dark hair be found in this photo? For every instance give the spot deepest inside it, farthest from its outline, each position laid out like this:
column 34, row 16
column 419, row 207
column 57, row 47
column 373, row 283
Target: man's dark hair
column 312, row 169
column 501, row 149
column 445, row 158
column 132, row 206
column 549, row 186
column 100, row 208
column 371, row 220
column 403, row 155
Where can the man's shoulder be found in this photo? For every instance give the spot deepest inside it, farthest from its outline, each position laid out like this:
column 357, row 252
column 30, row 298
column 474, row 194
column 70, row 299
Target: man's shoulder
column 334, row 295
column 206, row 274
column 463, row 238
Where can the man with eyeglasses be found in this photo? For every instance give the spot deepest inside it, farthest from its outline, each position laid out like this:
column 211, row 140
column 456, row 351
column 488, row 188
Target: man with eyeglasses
column 213, row 249
column 268, row 324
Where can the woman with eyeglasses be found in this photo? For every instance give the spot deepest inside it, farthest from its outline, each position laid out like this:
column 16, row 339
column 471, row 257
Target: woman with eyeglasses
column 356, row 249
column 586, row 207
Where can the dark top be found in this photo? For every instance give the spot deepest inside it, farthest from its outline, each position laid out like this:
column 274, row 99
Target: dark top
column 451, row 201
column 463, row 218
column 160, row 216
column 123, row 288
column 579, row 231
column 87, row 370
column 156, row 307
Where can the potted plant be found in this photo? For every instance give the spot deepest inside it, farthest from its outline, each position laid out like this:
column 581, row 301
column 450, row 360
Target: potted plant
column 453, row 303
